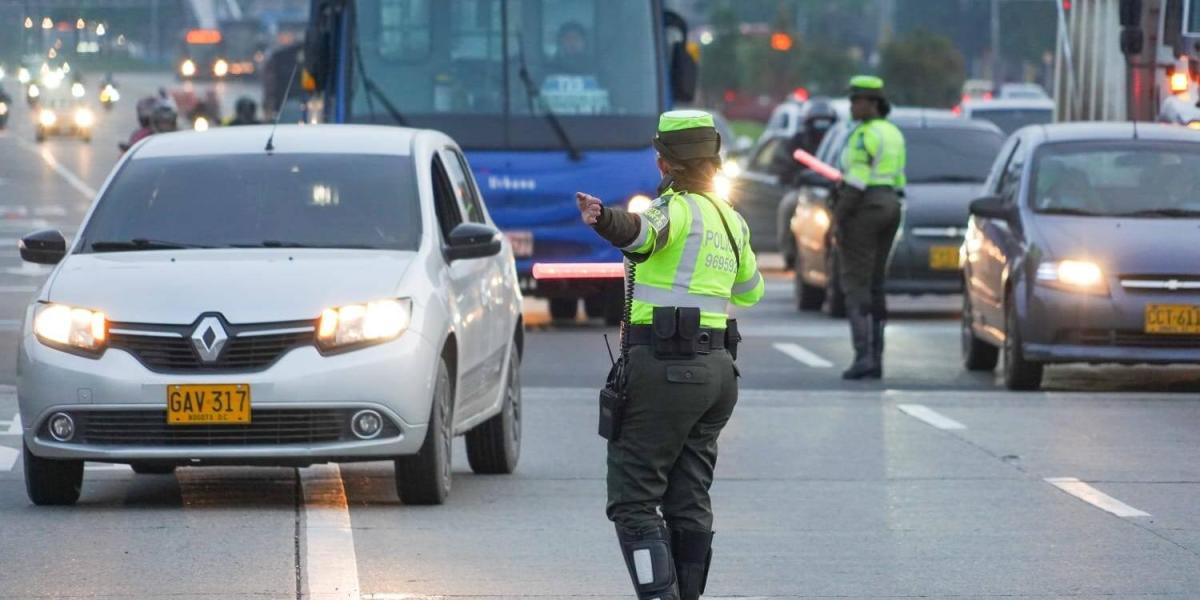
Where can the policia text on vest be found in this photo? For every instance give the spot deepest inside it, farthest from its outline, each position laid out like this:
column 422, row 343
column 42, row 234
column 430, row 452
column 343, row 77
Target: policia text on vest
column 688, row 257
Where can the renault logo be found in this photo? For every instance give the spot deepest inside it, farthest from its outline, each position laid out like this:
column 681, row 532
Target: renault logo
column 208, row 338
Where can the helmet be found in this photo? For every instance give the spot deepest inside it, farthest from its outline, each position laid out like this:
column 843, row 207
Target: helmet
column 145, row 109
column 244, row 108
column 164, row 118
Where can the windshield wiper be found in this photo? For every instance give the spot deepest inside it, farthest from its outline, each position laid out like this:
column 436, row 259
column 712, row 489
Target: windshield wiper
column 1161, row 212
column 1063, row 210
column 534, row 96
column 374, row 90
column 141, row 244
column 283, row 244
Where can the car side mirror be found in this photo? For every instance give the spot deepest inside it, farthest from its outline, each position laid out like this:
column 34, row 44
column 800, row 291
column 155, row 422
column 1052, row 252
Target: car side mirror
column 473, row 240
column 46, row 247
column 991, row 207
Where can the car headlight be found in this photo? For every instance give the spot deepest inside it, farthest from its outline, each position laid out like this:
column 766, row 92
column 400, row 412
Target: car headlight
column 34, row 92
column 3, row 108
column 639, row 203
column 77, row 90
column 47, row 118
column 66, row 327
column 220, row 68
column 23, row 75
column 187, row 68
column 363, row 324
column 1073, row 275
column 84, row 118
column 821, row 217
column 200, row 124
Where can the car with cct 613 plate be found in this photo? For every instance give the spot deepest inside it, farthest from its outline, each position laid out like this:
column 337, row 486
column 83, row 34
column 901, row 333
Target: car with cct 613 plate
column 339, row 293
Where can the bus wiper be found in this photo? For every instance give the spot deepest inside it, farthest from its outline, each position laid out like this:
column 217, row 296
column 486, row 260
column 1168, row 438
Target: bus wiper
column 1161, row 212
column 374, row 90
column 1063, row 210
column 535, row 96
column 141, row 244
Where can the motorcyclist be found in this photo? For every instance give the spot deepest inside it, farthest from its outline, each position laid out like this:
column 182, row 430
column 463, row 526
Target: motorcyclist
column 164, row 119
column 245, row 110
column 145, row 110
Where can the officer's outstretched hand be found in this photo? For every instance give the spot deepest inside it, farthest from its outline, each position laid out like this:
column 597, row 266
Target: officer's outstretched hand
column 590, row 207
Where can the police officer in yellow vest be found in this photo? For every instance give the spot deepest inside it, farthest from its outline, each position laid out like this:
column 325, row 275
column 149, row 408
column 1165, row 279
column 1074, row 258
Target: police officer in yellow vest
column 691, row 257
column 867, row 214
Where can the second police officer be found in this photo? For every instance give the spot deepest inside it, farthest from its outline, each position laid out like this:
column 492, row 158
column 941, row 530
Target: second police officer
column 867, row 215
column 692, row 257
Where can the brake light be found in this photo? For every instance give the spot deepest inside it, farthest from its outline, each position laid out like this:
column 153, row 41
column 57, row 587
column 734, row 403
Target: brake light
column 204, row 36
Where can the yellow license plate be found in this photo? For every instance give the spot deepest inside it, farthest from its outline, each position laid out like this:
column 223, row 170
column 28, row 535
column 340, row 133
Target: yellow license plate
column 215, row 404
column 1173, row 319
column 943, row 258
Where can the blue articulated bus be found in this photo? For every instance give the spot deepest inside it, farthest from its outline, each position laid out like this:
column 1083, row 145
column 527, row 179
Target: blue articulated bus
column 547, row 97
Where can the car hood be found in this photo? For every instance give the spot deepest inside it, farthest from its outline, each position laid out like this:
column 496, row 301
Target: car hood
column 245, row 286
column 1124, row 246
column 939, row 204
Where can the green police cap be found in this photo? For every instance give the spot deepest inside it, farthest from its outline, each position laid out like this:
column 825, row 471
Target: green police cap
column 686, row 135
column 868, row 86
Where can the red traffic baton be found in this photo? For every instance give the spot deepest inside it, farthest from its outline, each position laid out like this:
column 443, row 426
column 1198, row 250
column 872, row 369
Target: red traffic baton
column 547, row 271
column 818, row 166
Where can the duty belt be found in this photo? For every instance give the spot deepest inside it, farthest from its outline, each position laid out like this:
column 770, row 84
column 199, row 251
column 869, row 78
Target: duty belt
column 707, row 339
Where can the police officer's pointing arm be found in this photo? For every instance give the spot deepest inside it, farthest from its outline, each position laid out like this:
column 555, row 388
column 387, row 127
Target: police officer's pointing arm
column 637, row 235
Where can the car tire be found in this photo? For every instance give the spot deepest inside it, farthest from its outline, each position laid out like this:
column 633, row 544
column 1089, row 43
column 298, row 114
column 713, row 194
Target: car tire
column 1019, row 374
column 608, row 305
column 837, row 297
column 50, row 482
column 39, row 137
column 494, row 446
column 152, row 469
column 977, row 354
column 424, row 478
column 564, row 309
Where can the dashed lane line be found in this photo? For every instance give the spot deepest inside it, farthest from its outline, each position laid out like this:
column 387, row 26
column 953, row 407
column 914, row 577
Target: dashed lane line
column 803, row 355
column 929, row 416
column 71, row 178
column 330, row 564
column 8, row 458
column 1095, row 497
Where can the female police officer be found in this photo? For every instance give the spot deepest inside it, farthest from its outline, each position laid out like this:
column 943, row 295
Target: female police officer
column 692, row 257
column 867, row 214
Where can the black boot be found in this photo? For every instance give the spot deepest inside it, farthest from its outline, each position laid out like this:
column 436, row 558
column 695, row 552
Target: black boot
column 862, row 330
column 693, row 554
column 650, row 562
column 878, row 325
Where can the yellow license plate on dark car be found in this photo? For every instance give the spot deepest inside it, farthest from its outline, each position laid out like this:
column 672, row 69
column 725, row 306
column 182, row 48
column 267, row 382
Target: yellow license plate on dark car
column 943, row 258
column 215, row 404
column 1173, row 319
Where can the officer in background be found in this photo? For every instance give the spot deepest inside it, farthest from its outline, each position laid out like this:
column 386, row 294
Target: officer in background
column 867, row 214
column 244, row 112
column 691, row 256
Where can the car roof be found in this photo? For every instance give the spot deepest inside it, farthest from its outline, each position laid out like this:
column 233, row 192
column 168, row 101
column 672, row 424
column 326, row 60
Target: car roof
column 913, row 118
column 289, row 139
column 1084, row 131
column 1008, row 103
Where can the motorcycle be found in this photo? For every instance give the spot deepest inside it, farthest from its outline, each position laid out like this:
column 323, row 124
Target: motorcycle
column 109, row 96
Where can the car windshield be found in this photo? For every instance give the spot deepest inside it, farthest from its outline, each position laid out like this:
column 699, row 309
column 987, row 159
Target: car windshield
column 950, row 154
column 1151, row 179
column 261, row 200
column 1012, row 119
column 456, row 66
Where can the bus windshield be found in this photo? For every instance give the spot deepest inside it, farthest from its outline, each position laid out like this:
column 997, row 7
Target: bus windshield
column 457, row 66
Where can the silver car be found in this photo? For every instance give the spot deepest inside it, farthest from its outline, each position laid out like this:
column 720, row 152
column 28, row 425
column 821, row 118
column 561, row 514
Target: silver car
column 338, row 293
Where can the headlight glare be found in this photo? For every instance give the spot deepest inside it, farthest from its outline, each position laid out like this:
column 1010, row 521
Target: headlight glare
column 722, row 185
column 84, row 118
column 187, row 68
column 66, row 326
column 221, row 68
column 3, row 108
column 638, row 203
column 360, row 324
column 47, row 118
column 1074, row 275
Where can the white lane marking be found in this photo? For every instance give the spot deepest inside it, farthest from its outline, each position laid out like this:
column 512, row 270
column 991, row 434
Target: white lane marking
column 17, row 289
column 52, row 210
column 802, row 355
column 1095, row 497
column 14, row 426
column 8, row 458
column 929, row 416
column 330, row 565
column 29, row 270
column 93, row 466
column 72, row 179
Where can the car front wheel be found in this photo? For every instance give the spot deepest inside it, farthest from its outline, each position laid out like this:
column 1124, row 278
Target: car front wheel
column 424, row 478
column 50, row 482
column 977, row 354
column 1019, row 373
column 494, row 446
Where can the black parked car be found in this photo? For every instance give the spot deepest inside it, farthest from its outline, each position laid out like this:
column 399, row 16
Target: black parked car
column 1086, row 248
column 948, row 161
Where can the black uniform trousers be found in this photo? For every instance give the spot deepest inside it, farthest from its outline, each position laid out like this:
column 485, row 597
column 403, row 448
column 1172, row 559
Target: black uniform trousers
column 667, row 450
column 866, row 227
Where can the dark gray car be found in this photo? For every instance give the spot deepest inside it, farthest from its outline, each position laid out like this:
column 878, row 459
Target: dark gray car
column 1086, row 248
column 948, row 161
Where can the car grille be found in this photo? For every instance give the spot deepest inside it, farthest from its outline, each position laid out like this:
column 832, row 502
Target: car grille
column 176, row 354
column 149, row 428
column 1161, row 283
column 1128, row 339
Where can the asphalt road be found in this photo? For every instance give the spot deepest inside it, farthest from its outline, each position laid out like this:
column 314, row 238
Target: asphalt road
column 932, row 483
